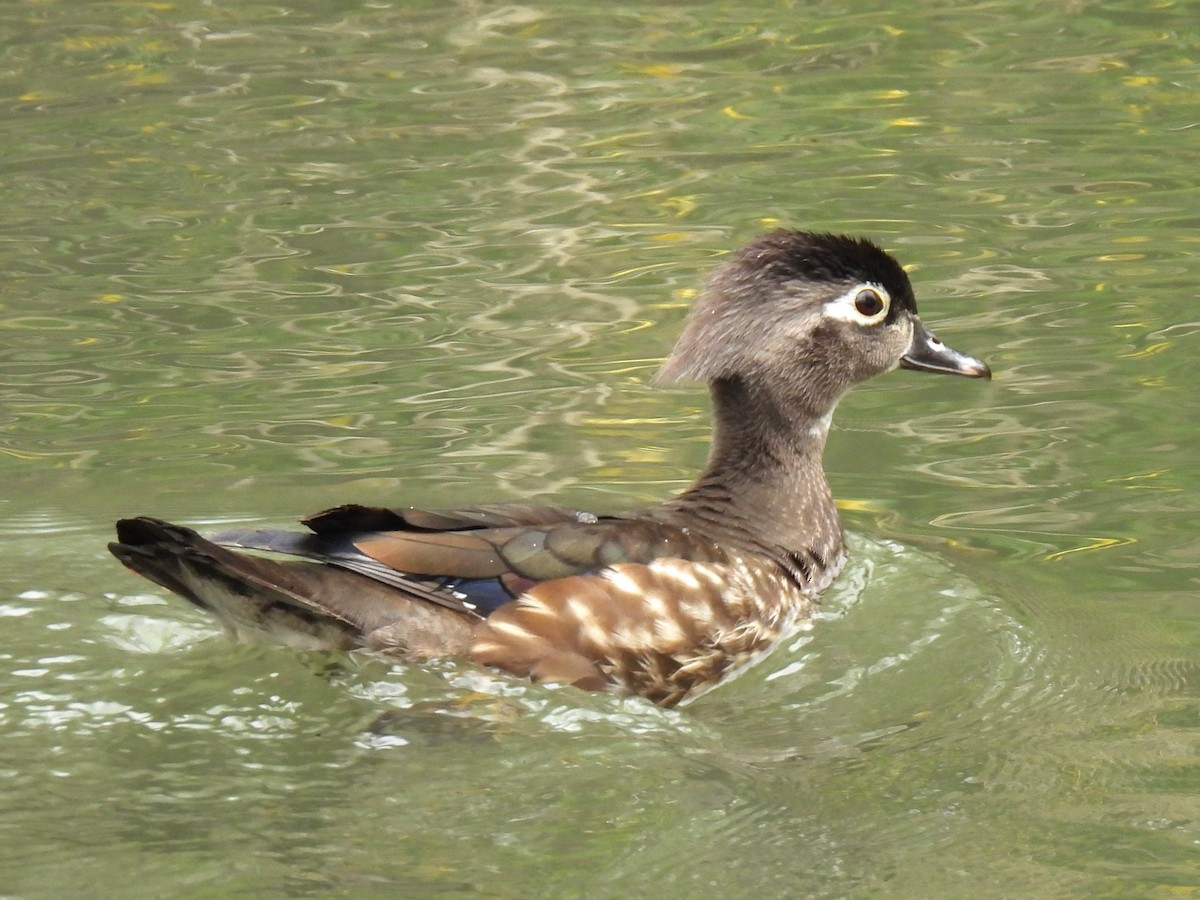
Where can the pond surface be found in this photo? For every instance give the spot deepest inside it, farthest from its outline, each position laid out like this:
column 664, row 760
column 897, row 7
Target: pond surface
column 264, row 259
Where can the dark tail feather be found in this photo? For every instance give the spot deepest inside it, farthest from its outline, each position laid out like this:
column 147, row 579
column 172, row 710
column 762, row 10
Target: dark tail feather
column 302, row 604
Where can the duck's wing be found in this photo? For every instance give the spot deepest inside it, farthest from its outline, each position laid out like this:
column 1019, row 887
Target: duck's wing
column 472, row 560
column 360, row 569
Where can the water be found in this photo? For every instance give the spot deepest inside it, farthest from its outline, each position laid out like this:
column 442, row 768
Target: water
column 267, row 259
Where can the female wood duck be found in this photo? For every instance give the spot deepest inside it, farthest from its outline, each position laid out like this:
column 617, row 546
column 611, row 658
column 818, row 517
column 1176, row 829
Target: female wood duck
column 664, row 602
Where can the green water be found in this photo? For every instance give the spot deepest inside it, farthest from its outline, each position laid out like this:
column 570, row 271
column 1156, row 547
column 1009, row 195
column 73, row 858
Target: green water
column 264, row 259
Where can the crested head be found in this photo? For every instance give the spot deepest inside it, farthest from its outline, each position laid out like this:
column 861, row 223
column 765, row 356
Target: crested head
column 771, row 297
column 805, row 316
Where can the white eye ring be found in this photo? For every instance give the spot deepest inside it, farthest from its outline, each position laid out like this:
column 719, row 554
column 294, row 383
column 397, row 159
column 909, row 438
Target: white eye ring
column 863, row 304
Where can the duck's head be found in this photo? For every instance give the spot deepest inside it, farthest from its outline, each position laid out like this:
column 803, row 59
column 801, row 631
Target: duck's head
column 808, row 316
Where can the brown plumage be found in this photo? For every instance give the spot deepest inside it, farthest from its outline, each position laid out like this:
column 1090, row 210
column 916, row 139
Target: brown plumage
column 663, row 602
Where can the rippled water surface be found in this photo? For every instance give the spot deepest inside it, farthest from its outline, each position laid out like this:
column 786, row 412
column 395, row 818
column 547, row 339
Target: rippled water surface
column 263, row 259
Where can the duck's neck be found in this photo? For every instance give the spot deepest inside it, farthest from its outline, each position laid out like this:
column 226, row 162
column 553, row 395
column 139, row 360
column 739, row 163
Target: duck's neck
column 764, row 484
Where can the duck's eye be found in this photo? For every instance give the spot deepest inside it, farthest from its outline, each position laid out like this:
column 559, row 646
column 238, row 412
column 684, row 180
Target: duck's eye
column 865, row 305
column 868, row 303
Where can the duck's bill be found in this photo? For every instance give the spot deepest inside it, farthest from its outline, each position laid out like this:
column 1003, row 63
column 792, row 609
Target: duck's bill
column 928, row 354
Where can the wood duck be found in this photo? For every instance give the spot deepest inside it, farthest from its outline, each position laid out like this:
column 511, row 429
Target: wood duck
column 664, row 602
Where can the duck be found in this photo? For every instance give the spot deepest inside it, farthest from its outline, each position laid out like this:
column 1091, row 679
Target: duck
column 665, row 602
